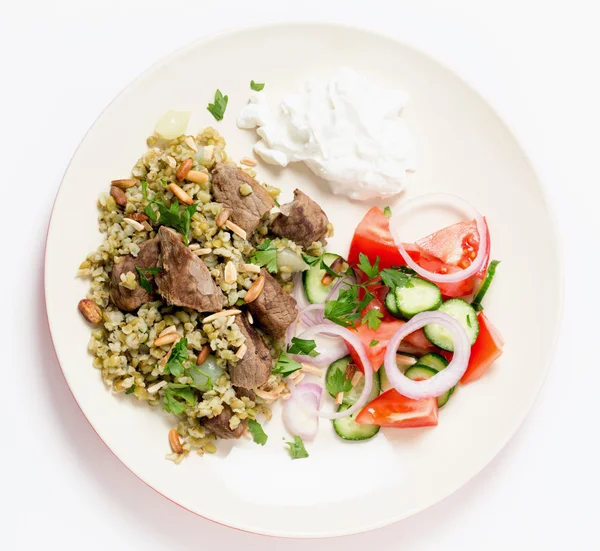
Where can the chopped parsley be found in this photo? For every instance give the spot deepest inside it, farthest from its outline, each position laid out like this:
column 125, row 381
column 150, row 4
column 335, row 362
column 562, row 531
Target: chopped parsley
column 338, row 382
column 286, row 365
column 145, row 190
column 164, row 182
column 257, row 432
column 387, row 211
column 265, row 255
column 177, row 398
column 373, row 319
column 257, row 86
column 343, row 310
column 172, row 216
column 144, row 273
column 304, row 347
column 370, row 270
column 374, row 343
column 310, row 260
column 179, row 354
column 325, row 267
column 297, row 449
column 217, row 109
column 395, row 278
column 130, row 390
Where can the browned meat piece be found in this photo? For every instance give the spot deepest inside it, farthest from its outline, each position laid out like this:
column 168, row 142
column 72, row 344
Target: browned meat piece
column 250, row 394
column 246, row 211
column 124, row 298
column 254, row 368
column 184, row 279
column 274, row 310
column 302, row 221
column 220, row 424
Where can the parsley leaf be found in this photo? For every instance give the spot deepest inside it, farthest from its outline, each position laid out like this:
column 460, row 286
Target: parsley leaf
column 130, row 390
column 286, row 365
column 172, row 217
column 145, row 190
column 373, row 319
column 143, row 273
column 370, row 270
column 163, row 182
column 257, row 86
column 266, row 256
column 177, row 398
column 310, row 260
column 257, row 432
column 297, row 449
column 303, row 346
column 174, row 364
column 365, row 301
column 150, row 212
column 387, row 211
column 325, row 267
column 373, row 343
column 338, row 382
column 342, row 310
column 217, row 109
column 395, row 278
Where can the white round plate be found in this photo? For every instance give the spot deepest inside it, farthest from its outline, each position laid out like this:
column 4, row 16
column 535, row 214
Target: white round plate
column 464, row 148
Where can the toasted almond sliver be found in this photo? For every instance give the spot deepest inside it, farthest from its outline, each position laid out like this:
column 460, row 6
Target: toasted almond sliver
column 134, row 224
column 202, row 252
column 194, row 246
column 255, row 289
column 241, row 351
column 266, row 395
column 203, row 354
column 180, row 194
column 207, row 152
column 312, row 369
column 356, row 378
column 125, row 184
column 156, row 387
column 223, row 217
column 249, row 317
column 191, row 143
column 221, row 314
column 236, row 229
column 252, row 268
column 166, row 357
column 184, row 169
column 339, row 398
column 167, row 330
column 175, row 442
column 166, row 339
column 147, row 226
column 172, row 162
column 401, row 359
column 197, row 177
column 248, row 162
column 230, row 272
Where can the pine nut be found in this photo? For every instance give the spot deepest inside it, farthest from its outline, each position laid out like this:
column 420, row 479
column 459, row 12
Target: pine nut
column 248, row 162
column 255, row 289
column 252, row 268
column 236, row 229
column 307, row 368
column 167, row 330
column 202, row 252
column 221, row 314
column 134, row 224
column 336, row 266
column 356, row 378
column 241, row 351
column 194, row 246
column 175, row 442
column 401, row 359
column 223, row 217
column 166, row 339
column 230, row 272
column 138, row 216
column 124, row 184
column 180, row 194
column 90, row 310
column 203, row 354
column 197, row 177
column 339, row 398
column 184, row 169
column 119, row 196
column 249, row 317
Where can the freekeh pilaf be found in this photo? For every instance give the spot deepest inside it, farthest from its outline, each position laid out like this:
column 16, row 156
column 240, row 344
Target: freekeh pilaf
column 149, row 346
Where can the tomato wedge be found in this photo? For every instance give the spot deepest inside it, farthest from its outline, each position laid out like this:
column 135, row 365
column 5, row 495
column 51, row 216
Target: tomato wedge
column 391, row 409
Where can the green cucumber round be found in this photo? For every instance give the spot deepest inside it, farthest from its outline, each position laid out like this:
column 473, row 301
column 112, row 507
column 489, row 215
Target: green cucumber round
column 424, row 372
column 417, row 296
column 391, row 306
column 351, row 396
column 348, row 429
column 316, row 292
column 462, row 312
column 433, row 360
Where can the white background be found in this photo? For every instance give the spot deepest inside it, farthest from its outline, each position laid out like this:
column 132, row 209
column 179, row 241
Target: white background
column 61, row 62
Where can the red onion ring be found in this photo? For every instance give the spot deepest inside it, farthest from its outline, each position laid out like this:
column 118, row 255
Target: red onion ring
column 477, row 263
column 297, row 415
column 446, row 378
column 355, row 342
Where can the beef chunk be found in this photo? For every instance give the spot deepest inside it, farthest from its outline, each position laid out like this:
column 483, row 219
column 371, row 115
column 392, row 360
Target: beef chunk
column 124, row 298
column 254, row 368
column 246, row 211
column 273, row 309
column 240, row 392
column 220, row 424
column 302, row 221
column 184, row 279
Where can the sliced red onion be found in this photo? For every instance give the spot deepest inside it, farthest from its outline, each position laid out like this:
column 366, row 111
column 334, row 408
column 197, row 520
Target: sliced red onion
column 312, row 315
column 461, row 275
column 298, row 411
column 298, row 291
column 446, row 378
column 354, row 341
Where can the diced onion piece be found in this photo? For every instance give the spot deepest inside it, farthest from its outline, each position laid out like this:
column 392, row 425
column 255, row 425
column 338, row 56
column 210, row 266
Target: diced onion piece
column 446, row 378
column 400, row 213
column 172, row 124
column 207, row 370
column 292, row 260
column 298, row 411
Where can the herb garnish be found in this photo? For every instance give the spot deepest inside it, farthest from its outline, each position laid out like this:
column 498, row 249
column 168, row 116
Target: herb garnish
column 374, row 343
column 172, row 216
column 257, row 86
column 304, row 347
column 178, row 355
column 130, row 390
column 310, row 260
column 217, row 109
column 338, row 382
column 257, row 432
column 143, row 273
column 297, row 449
column 177, row 398
column 387, row 211
column 265, row 255
column 145, row 190
column 286, row 365
column 373, row 319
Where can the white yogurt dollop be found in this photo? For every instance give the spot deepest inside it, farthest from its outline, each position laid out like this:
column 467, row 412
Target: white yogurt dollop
column 347, row 130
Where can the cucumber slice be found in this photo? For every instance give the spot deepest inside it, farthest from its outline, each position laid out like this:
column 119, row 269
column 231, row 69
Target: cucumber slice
column 353, row 395
column 424, row 372
column 421, row 296
column 461, row 311
column 349, row 429
column 316, row 292
column 390, row 304
column 384, row 382
column 433, row 360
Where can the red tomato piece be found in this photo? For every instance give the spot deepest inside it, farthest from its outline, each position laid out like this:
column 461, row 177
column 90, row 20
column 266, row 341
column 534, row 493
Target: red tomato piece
column 487, row 349
column 391, row 409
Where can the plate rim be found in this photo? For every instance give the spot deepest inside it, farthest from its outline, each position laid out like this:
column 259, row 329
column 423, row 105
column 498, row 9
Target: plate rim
column 548, row 204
